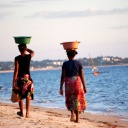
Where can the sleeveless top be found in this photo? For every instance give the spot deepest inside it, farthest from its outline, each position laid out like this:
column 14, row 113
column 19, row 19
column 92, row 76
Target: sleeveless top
column 72, row 68
column 24, row 64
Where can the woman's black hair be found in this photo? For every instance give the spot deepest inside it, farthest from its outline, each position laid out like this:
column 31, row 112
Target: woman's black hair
column 71, row 53
column 22, row 47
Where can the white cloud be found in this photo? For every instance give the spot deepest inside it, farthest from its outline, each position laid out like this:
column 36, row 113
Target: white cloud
column 9, row 5
column 84, row 13
column 119, row 27
column 28, row 1
column 5, row 14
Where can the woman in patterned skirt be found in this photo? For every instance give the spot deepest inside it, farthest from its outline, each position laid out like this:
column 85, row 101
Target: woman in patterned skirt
column 22, row 81
column 75, row 85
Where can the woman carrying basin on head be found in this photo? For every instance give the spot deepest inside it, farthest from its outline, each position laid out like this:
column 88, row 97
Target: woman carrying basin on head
column 22, row 81
column 75, row 85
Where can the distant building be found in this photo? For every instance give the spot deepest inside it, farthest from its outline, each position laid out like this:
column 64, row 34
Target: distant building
column 58, row 63
column 116, row 59
column 108, row 59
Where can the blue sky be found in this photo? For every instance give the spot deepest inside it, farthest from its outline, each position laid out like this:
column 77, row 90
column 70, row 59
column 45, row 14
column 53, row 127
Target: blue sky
column 100, row 25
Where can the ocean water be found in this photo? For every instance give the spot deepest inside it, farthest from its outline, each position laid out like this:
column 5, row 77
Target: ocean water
column 107, row 93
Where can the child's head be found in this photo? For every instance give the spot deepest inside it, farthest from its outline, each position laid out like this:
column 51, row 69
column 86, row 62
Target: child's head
column 22, row 47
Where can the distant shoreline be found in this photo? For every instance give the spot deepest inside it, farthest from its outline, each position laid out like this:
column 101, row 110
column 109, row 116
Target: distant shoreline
column 40, row 69
column 108, row 65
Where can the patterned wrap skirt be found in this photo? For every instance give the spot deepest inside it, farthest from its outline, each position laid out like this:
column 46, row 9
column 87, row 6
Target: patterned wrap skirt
column 74, row 94
column 26, row 88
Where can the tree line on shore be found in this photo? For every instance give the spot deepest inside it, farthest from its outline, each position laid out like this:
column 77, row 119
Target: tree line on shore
column 98, row 61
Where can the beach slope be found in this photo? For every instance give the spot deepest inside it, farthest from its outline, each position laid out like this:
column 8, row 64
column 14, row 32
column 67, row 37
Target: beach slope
column 54, row 118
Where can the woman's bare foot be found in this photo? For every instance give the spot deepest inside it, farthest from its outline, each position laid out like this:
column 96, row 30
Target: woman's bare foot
column 28, row 116
column 77, row 121
column 72, row 117
column 20, row 114
column 77, row 117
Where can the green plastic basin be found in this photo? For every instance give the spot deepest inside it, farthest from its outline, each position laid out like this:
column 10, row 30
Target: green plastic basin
column 22, row 39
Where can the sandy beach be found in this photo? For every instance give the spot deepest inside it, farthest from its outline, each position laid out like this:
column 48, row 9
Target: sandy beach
column 54, row 118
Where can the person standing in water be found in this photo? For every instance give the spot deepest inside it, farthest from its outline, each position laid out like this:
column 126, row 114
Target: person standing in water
column 75, row 85
column 22, row 81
